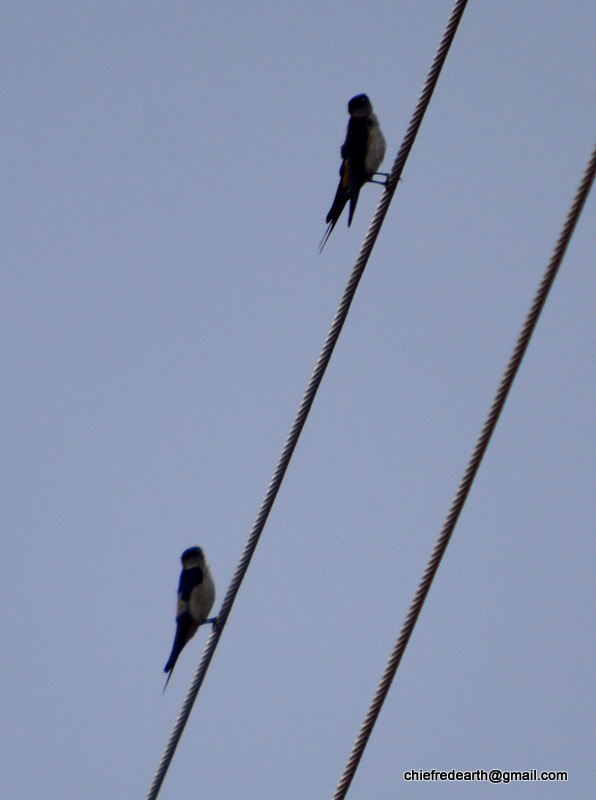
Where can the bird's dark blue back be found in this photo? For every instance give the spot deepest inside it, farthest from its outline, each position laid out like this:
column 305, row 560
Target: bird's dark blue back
column 189, row 578
column 354, row 148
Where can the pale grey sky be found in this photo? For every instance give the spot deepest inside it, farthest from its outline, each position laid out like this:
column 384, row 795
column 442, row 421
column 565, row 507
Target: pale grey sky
column 167, row 172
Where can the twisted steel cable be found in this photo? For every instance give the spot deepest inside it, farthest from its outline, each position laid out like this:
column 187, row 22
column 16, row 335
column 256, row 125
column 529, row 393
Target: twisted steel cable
column 468, row 478
column 309, row 396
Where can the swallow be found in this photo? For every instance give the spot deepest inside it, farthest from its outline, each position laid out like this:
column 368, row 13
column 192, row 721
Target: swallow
column 362, row 154
column 196, row 595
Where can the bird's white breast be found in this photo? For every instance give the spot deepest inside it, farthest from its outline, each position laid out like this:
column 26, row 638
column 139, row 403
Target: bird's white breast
column 376, row 146
column 202, row 597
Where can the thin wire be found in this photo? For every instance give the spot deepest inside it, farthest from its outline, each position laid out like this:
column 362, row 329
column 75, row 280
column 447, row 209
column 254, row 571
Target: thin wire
column 309, row 396
column 468, row 478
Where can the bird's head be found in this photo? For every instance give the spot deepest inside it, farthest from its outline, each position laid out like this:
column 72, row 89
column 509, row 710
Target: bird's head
column 192, row 557
column 359, row 106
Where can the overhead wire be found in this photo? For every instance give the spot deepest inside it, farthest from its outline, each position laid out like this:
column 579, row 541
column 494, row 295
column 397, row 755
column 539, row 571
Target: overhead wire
column 468, row 477
column 309, row 396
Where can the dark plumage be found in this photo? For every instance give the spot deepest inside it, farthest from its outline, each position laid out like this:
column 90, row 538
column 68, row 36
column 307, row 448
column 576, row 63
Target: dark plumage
column 196, row 595
column 362, row 154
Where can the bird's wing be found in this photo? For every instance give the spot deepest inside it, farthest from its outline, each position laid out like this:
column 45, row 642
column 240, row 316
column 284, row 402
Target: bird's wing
column 355, row 149
column 189, row 578
column 339, row 202
column 186, row 627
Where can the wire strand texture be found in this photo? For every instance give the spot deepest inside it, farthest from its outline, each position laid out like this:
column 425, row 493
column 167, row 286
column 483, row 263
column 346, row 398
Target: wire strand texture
column 468, row 477
column 309, row 396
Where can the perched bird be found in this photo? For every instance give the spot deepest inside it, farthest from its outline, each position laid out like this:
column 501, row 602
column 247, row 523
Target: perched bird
column 196, row 595
column 362, row 154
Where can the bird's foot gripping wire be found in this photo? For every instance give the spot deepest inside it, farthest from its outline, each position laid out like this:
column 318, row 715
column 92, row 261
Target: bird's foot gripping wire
column 381, row 183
